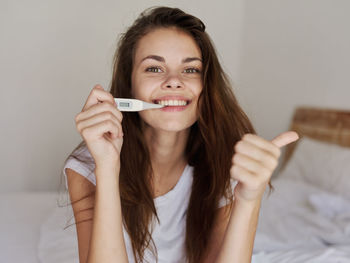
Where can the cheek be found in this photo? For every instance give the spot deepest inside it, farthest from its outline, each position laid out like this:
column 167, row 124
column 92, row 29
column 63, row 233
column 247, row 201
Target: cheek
column 142, row 88
column 196, row 86
column 197, row 91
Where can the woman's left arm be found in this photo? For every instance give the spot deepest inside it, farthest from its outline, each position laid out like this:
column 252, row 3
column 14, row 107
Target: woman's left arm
column 253, row 163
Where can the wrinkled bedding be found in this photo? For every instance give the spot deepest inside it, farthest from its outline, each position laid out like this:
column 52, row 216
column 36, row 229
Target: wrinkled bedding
column 301, row 223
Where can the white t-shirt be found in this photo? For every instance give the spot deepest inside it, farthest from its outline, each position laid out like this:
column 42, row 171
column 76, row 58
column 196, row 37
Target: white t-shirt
column 168, row 235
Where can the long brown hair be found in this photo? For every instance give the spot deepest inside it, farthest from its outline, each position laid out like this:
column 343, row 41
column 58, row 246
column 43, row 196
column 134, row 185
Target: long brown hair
column 210, row 145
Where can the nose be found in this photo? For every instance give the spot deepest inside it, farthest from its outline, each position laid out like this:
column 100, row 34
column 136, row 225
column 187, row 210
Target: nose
column 173, row 82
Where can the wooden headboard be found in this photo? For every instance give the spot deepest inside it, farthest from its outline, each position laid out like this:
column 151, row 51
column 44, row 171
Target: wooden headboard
column 328, row 125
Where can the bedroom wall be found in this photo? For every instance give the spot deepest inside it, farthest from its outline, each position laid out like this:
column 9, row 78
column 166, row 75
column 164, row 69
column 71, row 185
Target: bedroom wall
column 52, row 54
column 294, row 52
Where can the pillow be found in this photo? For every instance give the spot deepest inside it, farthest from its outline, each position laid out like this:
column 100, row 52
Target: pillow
column 321, row 164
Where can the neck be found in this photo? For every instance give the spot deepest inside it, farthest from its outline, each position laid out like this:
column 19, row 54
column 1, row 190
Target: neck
column 167, row 151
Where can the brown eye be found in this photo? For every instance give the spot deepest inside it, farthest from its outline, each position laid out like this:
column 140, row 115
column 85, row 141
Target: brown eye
column 192, row 70
column 153, row 69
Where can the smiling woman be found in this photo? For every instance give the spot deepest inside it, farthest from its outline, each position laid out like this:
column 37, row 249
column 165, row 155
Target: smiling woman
column 160, row 185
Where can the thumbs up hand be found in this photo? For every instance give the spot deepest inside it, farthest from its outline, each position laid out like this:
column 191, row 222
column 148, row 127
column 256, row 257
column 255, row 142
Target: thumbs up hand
column 254, row 161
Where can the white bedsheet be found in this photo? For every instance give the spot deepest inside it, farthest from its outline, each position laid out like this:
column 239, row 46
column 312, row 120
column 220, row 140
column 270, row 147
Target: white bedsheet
column 302, row 223
column 58, row 243
column 22, row 214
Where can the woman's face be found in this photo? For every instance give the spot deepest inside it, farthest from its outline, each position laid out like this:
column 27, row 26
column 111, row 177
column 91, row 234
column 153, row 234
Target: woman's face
column 167, row 70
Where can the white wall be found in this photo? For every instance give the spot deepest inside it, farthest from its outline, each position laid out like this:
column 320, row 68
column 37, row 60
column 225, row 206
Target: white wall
column 52, row 54
column 294, row 52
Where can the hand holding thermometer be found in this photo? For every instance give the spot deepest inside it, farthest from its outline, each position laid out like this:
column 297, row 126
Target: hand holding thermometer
column 135, row 105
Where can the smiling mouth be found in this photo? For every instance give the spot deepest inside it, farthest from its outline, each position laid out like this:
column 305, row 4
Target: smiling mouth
column 172, row 103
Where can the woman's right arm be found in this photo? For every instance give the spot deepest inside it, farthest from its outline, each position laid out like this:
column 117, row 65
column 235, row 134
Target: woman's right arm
column 99, row 232
column 99, row 123
column 107, row 241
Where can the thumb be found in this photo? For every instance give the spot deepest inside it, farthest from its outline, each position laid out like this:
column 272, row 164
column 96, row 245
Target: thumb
column 285, row 138
column 99, row 87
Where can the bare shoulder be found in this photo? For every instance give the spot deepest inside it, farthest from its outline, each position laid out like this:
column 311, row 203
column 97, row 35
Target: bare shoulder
column 82, row 196
column 79, row 188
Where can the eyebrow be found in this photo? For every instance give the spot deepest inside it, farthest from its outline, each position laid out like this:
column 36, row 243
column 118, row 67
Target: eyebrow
column 161, row 59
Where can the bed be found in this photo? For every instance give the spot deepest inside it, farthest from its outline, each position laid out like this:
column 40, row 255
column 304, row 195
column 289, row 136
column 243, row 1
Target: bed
column 22, row 216
column 305, row 219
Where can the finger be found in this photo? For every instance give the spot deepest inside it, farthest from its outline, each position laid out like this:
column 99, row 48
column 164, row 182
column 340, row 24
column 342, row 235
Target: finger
column 263, row 144
column 242, row 175
column 98, row 94
column 251, row 165
column 101, row 117
column 98, row 108
column 285, row 138
column 265, row 158
column 98, row 130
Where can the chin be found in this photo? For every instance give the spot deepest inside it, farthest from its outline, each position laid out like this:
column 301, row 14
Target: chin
column 173, row 126
column 169, row 126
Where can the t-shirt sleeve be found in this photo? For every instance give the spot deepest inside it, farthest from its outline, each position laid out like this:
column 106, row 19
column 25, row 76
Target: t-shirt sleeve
column 81, row 162
column 225, row 201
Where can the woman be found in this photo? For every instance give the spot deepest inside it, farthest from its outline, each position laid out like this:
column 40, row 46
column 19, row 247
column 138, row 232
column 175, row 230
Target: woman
column 163, row 179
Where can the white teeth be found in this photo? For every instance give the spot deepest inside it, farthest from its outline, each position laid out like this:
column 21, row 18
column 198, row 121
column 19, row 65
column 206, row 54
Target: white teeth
column 172, row 102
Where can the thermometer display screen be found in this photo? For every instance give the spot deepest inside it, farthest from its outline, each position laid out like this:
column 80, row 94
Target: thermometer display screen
column 124, row 104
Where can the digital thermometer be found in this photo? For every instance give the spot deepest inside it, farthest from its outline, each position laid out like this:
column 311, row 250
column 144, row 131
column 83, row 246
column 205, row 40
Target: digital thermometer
column 135, row 105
